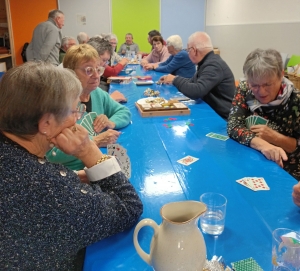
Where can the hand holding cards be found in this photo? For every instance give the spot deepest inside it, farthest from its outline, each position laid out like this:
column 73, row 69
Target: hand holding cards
column 255, row 120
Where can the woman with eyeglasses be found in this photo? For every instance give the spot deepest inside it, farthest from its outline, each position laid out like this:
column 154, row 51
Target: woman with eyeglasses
column 47, row 215
column 266, row 93
column 158, row 54
column 85, row 61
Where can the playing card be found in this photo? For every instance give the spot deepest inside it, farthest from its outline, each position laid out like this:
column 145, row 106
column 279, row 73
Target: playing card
column 258, row 184
column 260, row 120
column 246, row 265
column 254, row 183
column 244, row 182
column 187, row 160
column 121, row 155
column 217, row 136
column 87, row 126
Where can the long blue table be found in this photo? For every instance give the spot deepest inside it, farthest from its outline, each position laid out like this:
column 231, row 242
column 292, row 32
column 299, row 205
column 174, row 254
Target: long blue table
column 154, row 149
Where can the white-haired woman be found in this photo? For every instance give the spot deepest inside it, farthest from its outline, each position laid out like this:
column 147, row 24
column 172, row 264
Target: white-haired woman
column 47, row 215
column 113, row 40
column 179, row 62
column 267, row 93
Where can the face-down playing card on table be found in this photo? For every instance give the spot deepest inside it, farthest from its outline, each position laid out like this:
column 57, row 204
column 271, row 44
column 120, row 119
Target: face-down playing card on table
column 121, row 154
column 217, row 136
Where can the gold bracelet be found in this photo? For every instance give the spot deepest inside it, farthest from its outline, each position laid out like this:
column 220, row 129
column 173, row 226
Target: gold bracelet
column 103, row 158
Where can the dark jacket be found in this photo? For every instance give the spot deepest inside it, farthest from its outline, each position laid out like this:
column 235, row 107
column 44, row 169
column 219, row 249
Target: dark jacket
column 213, row 83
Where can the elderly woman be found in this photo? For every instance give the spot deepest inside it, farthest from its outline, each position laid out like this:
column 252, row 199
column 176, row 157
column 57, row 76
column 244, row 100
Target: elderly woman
column 86, row 63
column 158, row 54
column 105, row 51
column 268, row 94
column 179, row 62
column 47, row 214
column 115, row 58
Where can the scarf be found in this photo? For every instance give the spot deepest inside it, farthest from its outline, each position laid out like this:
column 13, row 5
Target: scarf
column 281, row 99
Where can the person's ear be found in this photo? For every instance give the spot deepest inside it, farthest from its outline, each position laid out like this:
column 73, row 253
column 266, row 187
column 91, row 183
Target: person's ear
column 45, row 123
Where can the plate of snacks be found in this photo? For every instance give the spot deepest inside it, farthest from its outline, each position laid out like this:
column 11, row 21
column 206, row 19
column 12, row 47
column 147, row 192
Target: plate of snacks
column 151, row 92
column 151, row 100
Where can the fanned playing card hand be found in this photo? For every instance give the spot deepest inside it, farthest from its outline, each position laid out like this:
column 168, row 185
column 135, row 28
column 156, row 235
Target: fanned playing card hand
column 121, row 154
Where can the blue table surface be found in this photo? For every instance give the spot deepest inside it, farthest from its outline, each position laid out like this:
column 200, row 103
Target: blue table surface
column 154, row 149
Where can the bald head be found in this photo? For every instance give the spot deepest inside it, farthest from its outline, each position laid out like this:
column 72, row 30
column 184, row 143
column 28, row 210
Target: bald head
column 201, row 41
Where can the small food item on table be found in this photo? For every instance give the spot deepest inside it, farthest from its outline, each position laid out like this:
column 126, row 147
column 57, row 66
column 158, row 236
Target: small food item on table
column 151, row 92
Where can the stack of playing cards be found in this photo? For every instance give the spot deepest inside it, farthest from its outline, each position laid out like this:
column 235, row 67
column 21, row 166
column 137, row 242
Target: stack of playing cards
column 217, row 136
column 254, row 183
column 121, row 154
column 246, row 265
column 88, row 123
column 255, row 120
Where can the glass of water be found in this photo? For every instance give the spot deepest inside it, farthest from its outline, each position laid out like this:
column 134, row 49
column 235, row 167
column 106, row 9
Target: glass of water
column 285, row 250
column 213, row 220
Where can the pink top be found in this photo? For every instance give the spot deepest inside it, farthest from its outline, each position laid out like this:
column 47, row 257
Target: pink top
column 157, row 57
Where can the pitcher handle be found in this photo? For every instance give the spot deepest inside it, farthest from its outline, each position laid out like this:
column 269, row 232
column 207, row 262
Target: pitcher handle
column 145, row 222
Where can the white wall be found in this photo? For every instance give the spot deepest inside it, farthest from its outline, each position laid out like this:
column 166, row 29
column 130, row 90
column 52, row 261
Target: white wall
column 97, row 14
column 239, row 26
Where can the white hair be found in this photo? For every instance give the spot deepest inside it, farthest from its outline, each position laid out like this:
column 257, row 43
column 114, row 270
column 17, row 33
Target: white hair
column 112, row 36
column 175, row 41
column 82, row 37
column 200, row 40
column 65, row 40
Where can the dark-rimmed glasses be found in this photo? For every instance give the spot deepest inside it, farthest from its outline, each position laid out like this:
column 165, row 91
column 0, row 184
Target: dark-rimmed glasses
column 90, row 70
column 80, row 110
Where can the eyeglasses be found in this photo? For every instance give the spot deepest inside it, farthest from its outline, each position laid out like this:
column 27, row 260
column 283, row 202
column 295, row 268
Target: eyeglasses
column 80, row 110
column 257, row 87
column 113, row 42
column 90, row 70
column 188, row 49
column 104, row 61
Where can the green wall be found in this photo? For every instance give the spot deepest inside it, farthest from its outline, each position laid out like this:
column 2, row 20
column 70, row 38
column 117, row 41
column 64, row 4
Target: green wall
column 137, row 17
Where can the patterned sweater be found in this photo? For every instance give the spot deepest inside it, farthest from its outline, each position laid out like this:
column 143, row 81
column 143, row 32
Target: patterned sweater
column 283, row 119
column 47, row 215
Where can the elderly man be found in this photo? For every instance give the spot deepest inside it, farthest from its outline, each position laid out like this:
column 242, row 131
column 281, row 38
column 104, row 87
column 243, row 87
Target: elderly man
column 46, row 39
column 66, row 43
column 129, row 45
column 179, row 62
column 82, row 37
column 213, row 82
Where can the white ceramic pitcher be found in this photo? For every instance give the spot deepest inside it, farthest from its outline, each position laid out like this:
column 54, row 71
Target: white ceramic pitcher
column 177, row 244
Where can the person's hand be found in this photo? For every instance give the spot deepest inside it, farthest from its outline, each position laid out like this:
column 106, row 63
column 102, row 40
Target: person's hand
column 148, row 66
column 264, row 132
column 82, row 176
column 155, row 65
column 101, row 122
column 124, row 61
column 123, row 52
column 166, row 79
column 144, row 62
column 296, row 194
column 73, row 140
column 118, row 96
column 274, row 153
column 107, row 137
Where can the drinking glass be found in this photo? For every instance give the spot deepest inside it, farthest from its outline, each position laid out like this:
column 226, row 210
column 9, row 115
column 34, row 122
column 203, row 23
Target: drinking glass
column 285, row 250
column 213, row 220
